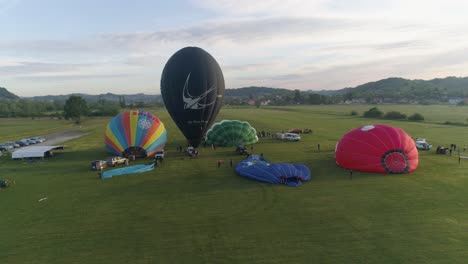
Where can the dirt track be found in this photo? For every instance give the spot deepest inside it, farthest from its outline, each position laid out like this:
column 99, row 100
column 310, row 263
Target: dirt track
column 60, row 137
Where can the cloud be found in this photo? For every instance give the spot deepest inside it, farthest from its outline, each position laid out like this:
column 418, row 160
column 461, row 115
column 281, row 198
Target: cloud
column 266, row 7
column 236, row 31
column 401, row 45
column 51, row 72
column 74, row 77
column 249, row 67
column 6, row 5
column 397, row 10
column 28, row 67
column 324, row 44
column 145, row 60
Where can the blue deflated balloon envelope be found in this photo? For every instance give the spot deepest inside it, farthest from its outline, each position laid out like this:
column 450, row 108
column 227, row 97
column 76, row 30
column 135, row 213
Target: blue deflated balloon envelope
column 257, row 168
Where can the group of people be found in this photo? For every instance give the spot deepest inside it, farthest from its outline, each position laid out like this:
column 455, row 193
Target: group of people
column 220, row 162
column 453, row 147
column 264, row 134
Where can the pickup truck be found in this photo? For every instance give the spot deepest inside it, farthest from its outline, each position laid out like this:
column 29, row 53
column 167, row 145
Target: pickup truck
column 112, row 161
column 421, row 144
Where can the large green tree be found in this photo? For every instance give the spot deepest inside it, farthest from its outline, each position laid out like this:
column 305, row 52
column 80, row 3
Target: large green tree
column 74, row 108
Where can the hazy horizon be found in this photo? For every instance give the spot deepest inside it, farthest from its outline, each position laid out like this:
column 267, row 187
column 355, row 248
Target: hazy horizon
column 105, row 92
column 56, row 47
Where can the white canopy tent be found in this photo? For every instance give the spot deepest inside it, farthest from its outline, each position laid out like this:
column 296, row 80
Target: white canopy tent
column 33, row 152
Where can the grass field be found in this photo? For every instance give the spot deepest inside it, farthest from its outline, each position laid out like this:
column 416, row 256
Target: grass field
column 188, row 211
column 13, row 129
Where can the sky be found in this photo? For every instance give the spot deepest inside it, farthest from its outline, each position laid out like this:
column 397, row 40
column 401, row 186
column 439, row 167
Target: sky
column 52, row 47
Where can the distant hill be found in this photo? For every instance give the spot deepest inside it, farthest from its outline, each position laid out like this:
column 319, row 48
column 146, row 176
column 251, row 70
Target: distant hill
column 400, row 88
column 6, row 95
column 386, row 90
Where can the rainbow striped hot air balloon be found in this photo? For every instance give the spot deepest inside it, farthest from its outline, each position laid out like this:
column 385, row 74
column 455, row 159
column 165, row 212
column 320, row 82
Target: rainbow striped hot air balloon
column 135, row 132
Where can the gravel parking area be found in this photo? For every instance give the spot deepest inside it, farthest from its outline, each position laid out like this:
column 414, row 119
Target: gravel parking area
column 61, row 137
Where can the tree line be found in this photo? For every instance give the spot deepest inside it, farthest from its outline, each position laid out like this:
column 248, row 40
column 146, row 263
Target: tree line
column 375, row 112
column 65, row 108
column 279, row 97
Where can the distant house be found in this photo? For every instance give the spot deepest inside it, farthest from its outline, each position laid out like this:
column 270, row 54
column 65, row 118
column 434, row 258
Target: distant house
column 266, row 102
column 455, row 100
column 465, row 100
column 359, row 101
column 355, row 101
column 251, row 102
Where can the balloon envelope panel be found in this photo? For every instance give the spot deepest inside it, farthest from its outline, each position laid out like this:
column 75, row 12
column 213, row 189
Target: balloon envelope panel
column 257, row 168
column 231, row 133
column 192, row 87
column 135, row 132
column 377, row 148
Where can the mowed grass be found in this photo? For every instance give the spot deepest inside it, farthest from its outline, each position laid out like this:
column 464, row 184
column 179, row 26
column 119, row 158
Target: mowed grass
column 13, row 129
column 189, row 211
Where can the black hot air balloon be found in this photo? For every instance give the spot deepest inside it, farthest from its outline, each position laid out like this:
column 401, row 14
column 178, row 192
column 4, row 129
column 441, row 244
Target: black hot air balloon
column 192, row 87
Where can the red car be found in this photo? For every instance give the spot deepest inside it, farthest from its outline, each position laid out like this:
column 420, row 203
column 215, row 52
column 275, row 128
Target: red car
column 295, row 131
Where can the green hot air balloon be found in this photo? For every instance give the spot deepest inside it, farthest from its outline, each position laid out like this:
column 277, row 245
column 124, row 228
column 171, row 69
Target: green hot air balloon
column 231, row 133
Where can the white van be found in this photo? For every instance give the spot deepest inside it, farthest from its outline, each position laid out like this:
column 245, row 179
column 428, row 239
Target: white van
column 292, row 137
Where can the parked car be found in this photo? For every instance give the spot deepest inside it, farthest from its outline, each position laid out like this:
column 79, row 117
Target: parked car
column 13, row 144
column 32, row 141
column 22, row 143
column 421, row 144
column 112, row 161
column 98, row 165
column 5, row 147
column 159, row 154
column 39, row 139
column 292, row 137
column 295, row 131
column 241, row 150
column 192, row 152
column 442, row 150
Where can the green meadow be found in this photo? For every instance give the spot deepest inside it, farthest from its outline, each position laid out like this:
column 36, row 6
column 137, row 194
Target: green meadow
column 190, row 211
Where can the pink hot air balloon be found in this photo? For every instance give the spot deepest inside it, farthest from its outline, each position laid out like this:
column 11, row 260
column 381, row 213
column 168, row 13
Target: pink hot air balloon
column 377, row 148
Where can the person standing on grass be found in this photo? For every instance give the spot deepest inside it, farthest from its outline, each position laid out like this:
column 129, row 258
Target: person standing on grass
column 230, row 162
column 318, row 147
column 219, row 163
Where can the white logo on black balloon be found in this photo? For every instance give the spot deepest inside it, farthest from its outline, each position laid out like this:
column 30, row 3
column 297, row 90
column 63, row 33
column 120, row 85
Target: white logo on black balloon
column 193, row 102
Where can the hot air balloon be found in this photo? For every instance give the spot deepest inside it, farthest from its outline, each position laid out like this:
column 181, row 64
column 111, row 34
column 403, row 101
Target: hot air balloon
column 257, row 168
column 231, row 133
column 135, row 132
column 192, row 87
column 377, row 148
